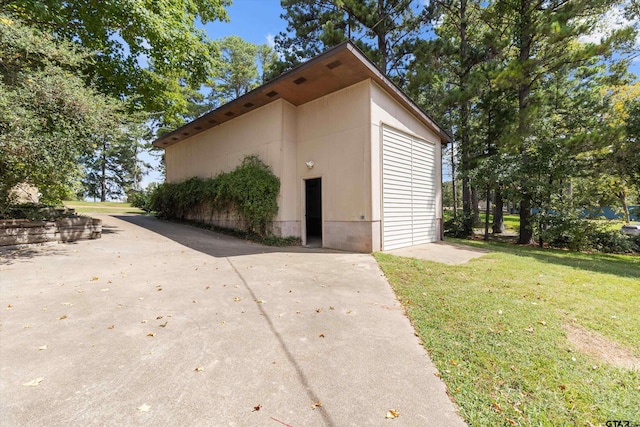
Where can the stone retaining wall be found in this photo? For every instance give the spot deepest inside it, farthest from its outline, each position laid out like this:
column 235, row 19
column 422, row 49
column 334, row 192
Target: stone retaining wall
column 22, row 231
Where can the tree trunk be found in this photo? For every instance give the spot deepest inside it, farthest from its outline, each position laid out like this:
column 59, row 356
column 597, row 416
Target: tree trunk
column 103, row 174
column 382, row 40
column 465, row 108
column 475, row 199
column 526, row 224
column 467, row 215
column 622, row 195
column 498, row 214
column 453, row 182
column 524, row 93
column 486, row 214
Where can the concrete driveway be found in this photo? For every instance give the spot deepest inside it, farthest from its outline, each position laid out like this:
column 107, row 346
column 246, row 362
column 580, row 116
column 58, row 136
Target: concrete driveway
column 169, row 325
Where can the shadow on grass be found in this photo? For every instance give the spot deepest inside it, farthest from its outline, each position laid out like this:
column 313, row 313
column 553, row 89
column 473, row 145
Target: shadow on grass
column 618, row 265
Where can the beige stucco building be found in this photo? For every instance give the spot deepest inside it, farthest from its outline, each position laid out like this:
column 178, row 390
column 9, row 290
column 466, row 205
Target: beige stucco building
column 359, row 163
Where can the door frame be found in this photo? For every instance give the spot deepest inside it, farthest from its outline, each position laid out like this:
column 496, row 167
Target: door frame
column 304, row 207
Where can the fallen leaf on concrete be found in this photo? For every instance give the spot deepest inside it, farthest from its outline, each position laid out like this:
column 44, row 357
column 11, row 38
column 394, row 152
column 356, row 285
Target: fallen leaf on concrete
column 64, row 316
column 42, row 347
column 199, row 369
column 259, row 301
column 318, row 310
column 349, row 312
column 143, row 321
column 207, row 287
column 9, row 307
column 151, row 334
column 392, row 413
column 159, row 289
column 104, row 290
column 111, row 327
column 331, row 308
column 68, row 304
column 94, row 278
column 159, row 317
column 321, row 335
column 237, row 299
column 164, row 325
column 143, row 408
column 257, row 408
column 33, row 383
column 316, row 405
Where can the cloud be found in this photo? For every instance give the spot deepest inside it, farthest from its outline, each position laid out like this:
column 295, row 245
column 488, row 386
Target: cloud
column 271, row 40
column 613, row 20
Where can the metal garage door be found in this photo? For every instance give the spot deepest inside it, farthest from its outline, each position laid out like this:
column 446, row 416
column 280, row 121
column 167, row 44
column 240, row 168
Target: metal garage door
column 408, row 190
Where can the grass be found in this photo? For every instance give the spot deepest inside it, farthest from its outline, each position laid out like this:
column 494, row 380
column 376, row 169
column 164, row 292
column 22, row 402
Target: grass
column 102, row 207
column 511, row 222
column 493, row 327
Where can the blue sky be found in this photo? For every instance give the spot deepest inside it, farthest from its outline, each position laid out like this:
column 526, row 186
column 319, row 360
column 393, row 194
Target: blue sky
column 256, row 21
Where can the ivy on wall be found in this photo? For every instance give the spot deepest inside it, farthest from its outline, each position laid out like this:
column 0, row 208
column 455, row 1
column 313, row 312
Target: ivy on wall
column 251, row 190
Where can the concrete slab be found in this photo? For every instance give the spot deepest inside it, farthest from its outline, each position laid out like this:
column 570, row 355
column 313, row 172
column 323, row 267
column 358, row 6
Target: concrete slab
column 443, row 252
column 165, row 324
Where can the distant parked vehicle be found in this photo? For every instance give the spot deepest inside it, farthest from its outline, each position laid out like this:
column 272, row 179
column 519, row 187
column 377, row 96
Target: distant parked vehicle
column 630, row 229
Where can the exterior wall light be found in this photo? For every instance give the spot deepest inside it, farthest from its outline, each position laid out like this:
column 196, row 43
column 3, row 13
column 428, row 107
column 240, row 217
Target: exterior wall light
column 309, row 164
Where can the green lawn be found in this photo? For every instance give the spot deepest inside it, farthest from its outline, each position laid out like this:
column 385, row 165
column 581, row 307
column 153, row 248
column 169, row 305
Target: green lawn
column 102, row 207
column 511, row 222
column 494, row 329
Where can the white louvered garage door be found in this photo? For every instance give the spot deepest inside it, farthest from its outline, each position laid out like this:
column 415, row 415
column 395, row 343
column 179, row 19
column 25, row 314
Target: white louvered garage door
column 408, row 190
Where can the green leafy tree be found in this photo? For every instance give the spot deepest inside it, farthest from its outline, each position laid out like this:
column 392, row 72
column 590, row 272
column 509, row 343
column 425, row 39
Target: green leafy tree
column 383, row 29
column 239, row 71
column 145, row 52
column 114, row 168
column 447, row 69
column 48, row 116
column 542, row 33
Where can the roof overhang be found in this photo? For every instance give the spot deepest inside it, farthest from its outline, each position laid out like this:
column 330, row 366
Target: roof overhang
column 338, row 68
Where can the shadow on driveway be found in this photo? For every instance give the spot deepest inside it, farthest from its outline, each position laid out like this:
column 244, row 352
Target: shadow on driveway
column 209, row 242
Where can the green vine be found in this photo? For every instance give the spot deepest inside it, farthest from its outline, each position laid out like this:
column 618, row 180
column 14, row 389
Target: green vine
column 251, row 190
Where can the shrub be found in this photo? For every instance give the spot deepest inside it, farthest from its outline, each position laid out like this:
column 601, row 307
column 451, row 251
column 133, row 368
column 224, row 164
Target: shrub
column 566, row 229
column 36, row 212
column 569, row 229
column 613, row 241
column 457, row 226
column 142, row 199
column 251, row 190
